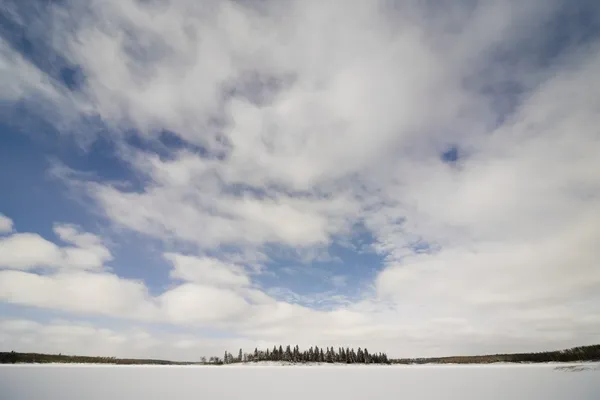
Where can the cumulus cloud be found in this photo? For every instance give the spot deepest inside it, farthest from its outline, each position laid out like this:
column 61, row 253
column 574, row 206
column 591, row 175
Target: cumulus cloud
column 79, row 292
column 213, row 292
column 191, row 303
column 30, row 250
column 6, row 224
column 458, row 138
column 206, row 270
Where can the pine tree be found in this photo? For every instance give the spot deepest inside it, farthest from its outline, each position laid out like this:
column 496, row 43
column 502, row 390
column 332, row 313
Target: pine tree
column 329, row 356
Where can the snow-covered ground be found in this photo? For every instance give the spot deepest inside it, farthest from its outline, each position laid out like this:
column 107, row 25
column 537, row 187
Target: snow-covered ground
column 465, row 382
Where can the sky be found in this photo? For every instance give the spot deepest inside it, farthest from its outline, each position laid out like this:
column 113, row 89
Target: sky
column 180, row 178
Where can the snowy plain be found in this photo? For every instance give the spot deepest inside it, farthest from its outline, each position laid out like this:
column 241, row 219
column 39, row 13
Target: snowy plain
column 466, row 382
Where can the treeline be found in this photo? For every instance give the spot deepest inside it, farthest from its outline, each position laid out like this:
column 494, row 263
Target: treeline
column 313, row 354
column 37, row 358
column 581, row 353
column 316, row 354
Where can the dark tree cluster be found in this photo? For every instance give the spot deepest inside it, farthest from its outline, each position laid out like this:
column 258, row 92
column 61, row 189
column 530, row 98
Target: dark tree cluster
column 314, row 354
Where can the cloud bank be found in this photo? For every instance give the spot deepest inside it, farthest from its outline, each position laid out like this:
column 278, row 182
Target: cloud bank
column 458, row 143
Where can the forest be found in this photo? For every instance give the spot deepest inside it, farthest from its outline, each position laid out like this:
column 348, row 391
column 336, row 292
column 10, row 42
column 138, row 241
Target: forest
column 318, row 355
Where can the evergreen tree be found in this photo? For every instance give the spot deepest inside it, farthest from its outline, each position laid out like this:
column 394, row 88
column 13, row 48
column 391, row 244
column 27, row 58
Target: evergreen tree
column 329, row 356
column 240, row 356
column 288, row 354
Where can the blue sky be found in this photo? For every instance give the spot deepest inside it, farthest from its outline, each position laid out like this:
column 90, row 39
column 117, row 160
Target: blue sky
column 419, row 178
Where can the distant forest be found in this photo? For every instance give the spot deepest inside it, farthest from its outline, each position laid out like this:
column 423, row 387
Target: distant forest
column 314, row 354
column 581, row 353
column 38, row 358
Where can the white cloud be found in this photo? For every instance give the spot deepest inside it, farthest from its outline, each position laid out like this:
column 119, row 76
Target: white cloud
column 79, row 292
column 30, row 250
column 314, row 129
column 220, row 219
column 192, row 303
column 20, row 79
column 206, row 270
column 291, row 124
column 6, row 224
column 27, row 250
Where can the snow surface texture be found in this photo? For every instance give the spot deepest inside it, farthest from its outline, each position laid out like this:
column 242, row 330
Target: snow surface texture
column 92, row 382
